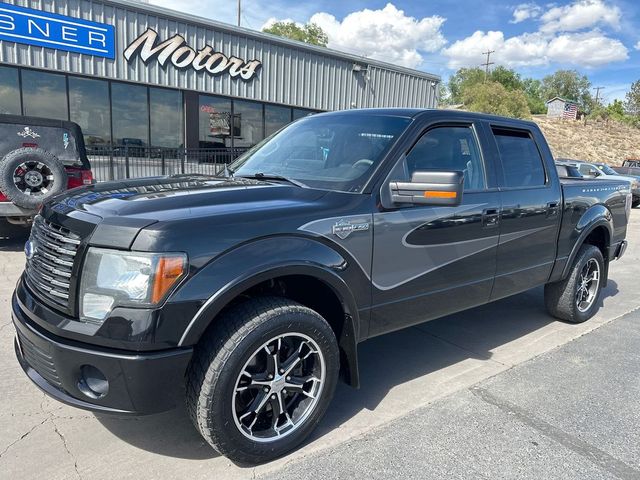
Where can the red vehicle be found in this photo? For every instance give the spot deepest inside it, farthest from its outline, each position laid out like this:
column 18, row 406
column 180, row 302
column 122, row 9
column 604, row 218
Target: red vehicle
column 40, row 159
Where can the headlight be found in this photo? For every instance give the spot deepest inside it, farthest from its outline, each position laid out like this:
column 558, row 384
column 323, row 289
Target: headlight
column 111, row 278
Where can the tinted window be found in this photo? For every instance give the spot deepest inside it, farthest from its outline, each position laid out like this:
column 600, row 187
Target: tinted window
column 130, row 114
column 9, row 91
column 449, row 148
column 89, row 108
column 214, row 122
column 44, row 95
column 275, row 118
column 337, row 151
column 521, row 160
column 562, row 171
column 166, row 117
column 248, row 125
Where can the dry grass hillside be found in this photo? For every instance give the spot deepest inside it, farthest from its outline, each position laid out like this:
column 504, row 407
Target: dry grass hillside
column 611, row 142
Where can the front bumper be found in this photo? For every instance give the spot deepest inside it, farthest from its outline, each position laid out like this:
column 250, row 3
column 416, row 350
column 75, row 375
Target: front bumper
column 138, row 382
column 8, row 209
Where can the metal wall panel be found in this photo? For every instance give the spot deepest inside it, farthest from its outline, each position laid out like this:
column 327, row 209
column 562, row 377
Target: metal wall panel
column 291, row 74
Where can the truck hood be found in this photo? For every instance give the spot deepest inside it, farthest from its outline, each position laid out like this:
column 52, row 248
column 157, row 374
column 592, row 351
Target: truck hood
column 123, row 208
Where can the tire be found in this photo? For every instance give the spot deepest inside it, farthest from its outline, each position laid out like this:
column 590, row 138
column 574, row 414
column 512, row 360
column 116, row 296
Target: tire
column 46, row 174
column 224, row 355
column 562, row 298
column 635, row 202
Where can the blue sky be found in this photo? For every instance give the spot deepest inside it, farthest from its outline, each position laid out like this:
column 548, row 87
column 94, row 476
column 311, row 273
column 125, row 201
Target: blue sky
column 596, row 37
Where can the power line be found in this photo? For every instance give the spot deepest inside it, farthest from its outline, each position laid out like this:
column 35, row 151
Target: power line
column 487, row 63
column 597, row 89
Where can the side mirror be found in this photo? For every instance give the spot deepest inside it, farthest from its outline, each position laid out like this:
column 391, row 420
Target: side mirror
column 430, row 187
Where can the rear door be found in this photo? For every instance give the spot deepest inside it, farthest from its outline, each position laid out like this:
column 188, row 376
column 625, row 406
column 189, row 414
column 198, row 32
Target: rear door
column 531, row 209
column 428, row 260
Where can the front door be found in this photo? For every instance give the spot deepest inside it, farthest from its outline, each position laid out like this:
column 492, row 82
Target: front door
column 428, row 260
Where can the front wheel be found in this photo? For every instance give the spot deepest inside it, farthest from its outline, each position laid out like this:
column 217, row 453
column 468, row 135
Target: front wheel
column 575, row 299
column 262, row 379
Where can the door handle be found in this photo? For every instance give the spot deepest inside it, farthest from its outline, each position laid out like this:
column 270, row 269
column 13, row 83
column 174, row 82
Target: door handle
column 552, row 209
column 490, row 218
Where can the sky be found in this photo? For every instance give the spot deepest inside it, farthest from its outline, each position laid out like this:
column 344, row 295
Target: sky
column 600, row 38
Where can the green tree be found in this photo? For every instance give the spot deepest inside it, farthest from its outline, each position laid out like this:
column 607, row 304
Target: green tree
column 632, row 99
column 493, row 97
column 532, row 89
column 568, row 84
column 510, row 79
column 463, row 79
column 308, row 33
column 615, row 110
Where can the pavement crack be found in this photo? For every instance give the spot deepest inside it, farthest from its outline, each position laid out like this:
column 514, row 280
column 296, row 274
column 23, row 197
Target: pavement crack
column 66, row 447
column 599, row 457
column 22, row 437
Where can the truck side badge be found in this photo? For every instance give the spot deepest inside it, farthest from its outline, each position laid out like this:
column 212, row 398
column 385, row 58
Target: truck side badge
column 65, row 140
column 343, row 228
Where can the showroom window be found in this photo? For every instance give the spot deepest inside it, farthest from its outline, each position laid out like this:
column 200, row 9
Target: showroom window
column 301, row 112
column 248, row 124
column 130, row 112
column 275, row 118
column 165, row 117
column 89, row 108
column 44, row 95
column 9, row 91
column 214, row 122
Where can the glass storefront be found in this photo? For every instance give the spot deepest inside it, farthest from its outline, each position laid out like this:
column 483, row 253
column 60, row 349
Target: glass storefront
column 10, row 91
column 89, row 108
column 165, row 117
column 44, row 95
column 275, row 117
column 130, row 110
column 248, row 123
column 119, row 113
column 214, row 122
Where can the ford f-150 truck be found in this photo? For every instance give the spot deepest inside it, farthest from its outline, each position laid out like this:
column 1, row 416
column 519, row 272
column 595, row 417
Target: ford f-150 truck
column 248, row 294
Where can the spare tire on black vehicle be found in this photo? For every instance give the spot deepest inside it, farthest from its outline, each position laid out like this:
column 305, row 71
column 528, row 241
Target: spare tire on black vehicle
column 31, row 176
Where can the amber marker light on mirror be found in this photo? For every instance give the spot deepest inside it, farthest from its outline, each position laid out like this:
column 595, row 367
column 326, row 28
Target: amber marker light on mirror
column 437, row 194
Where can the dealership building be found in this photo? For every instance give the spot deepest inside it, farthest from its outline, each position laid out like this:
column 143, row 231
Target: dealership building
column 135, row 74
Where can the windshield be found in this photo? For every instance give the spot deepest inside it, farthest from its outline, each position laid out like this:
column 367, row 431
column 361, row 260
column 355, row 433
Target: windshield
column 607, row 170
column 333, row 152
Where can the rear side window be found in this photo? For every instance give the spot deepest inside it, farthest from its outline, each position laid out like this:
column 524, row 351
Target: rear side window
column 521, row 160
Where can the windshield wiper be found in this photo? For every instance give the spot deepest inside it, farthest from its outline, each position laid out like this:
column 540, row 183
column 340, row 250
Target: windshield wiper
column 274, row 176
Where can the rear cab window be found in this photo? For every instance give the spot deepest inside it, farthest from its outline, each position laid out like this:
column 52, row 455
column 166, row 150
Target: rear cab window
column 522, row 163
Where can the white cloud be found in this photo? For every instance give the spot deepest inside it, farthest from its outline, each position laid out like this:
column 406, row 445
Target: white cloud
column 386, row 34
column 579, row 15
column 588, row 49
column 525, row 11
column 637, row 46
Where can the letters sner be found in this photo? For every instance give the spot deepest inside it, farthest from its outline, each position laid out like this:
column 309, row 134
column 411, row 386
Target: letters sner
column 183, row 56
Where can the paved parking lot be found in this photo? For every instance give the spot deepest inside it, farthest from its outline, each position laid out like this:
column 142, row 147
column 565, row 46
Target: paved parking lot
column 452, row 380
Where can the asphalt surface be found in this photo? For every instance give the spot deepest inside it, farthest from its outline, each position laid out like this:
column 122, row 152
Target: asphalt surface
column 500, row 391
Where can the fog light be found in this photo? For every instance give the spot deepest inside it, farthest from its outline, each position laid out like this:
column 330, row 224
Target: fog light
column 92, row 382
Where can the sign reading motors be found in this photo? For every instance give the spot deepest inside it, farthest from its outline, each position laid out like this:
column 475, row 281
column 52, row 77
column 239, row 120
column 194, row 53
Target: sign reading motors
column 44, row 29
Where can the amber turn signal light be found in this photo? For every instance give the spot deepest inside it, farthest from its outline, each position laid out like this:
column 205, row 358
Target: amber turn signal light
column 437, row 194
column 168, row 271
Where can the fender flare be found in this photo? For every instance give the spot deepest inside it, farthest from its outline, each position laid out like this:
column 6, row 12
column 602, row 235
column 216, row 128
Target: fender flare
column 324, row 266
column 597, row 216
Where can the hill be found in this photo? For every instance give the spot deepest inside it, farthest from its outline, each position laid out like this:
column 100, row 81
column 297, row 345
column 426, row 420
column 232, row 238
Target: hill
column 609, row 142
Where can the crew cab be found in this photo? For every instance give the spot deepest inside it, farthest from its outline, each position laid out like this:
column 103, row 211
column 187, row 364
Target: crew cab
column 248, row 294
column 39, row 158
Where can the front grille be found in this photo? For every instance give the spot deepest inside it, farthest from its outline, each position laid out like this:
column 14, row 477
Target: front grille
column 49, row 270
column 39, row 360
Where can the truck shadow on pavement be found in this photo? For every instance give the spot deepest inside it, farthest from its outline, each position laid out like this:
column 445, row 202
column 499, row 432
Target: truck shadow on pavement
column 12, row 237
column 385, row 363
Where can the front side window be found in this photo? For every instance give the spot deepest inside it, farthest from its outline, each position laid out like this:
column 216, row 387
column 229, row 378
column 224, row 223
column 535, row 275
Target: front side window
column 521, row 161
column 448, row 149
column 334, row 152
column 44, row 95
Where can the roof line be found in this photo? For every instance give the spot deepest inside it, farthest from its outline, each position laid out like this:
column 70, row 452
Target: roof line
column 266, row 37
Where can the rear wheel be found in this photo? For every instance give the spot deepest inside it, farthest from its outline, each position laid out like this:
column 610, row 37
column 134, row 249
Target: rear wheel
column 635, row 202
column 262, row 379
column 575, row 299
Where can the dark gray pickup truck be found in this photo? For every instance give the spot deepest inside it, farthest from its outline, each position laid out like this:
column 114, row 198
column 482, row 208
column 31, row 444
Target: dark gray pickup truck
column 249, row 294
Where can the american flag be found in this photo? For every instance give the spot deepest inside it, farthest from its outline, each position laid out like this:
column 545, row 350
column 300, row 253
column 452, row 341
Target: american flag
column 570, row 110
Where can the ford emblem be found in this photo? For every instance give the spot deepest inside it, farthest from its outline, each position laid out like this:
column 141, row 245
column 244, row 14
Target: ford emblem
column 30, row 249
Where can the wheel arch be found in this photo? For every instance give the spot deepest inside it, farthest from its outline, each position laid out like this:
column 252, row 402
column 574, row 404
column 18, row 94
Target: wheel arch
column 597, row 230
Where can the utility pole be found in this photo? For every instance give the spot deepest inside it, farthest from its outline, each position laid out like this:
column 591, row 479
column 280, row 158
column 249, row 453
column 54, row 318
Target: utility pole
column 487, row 63
column 597, row 89
column 239, row 11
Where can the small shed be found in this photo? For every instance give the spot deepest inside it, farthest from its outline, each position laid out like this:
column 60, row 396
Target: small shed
column 559, row 107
